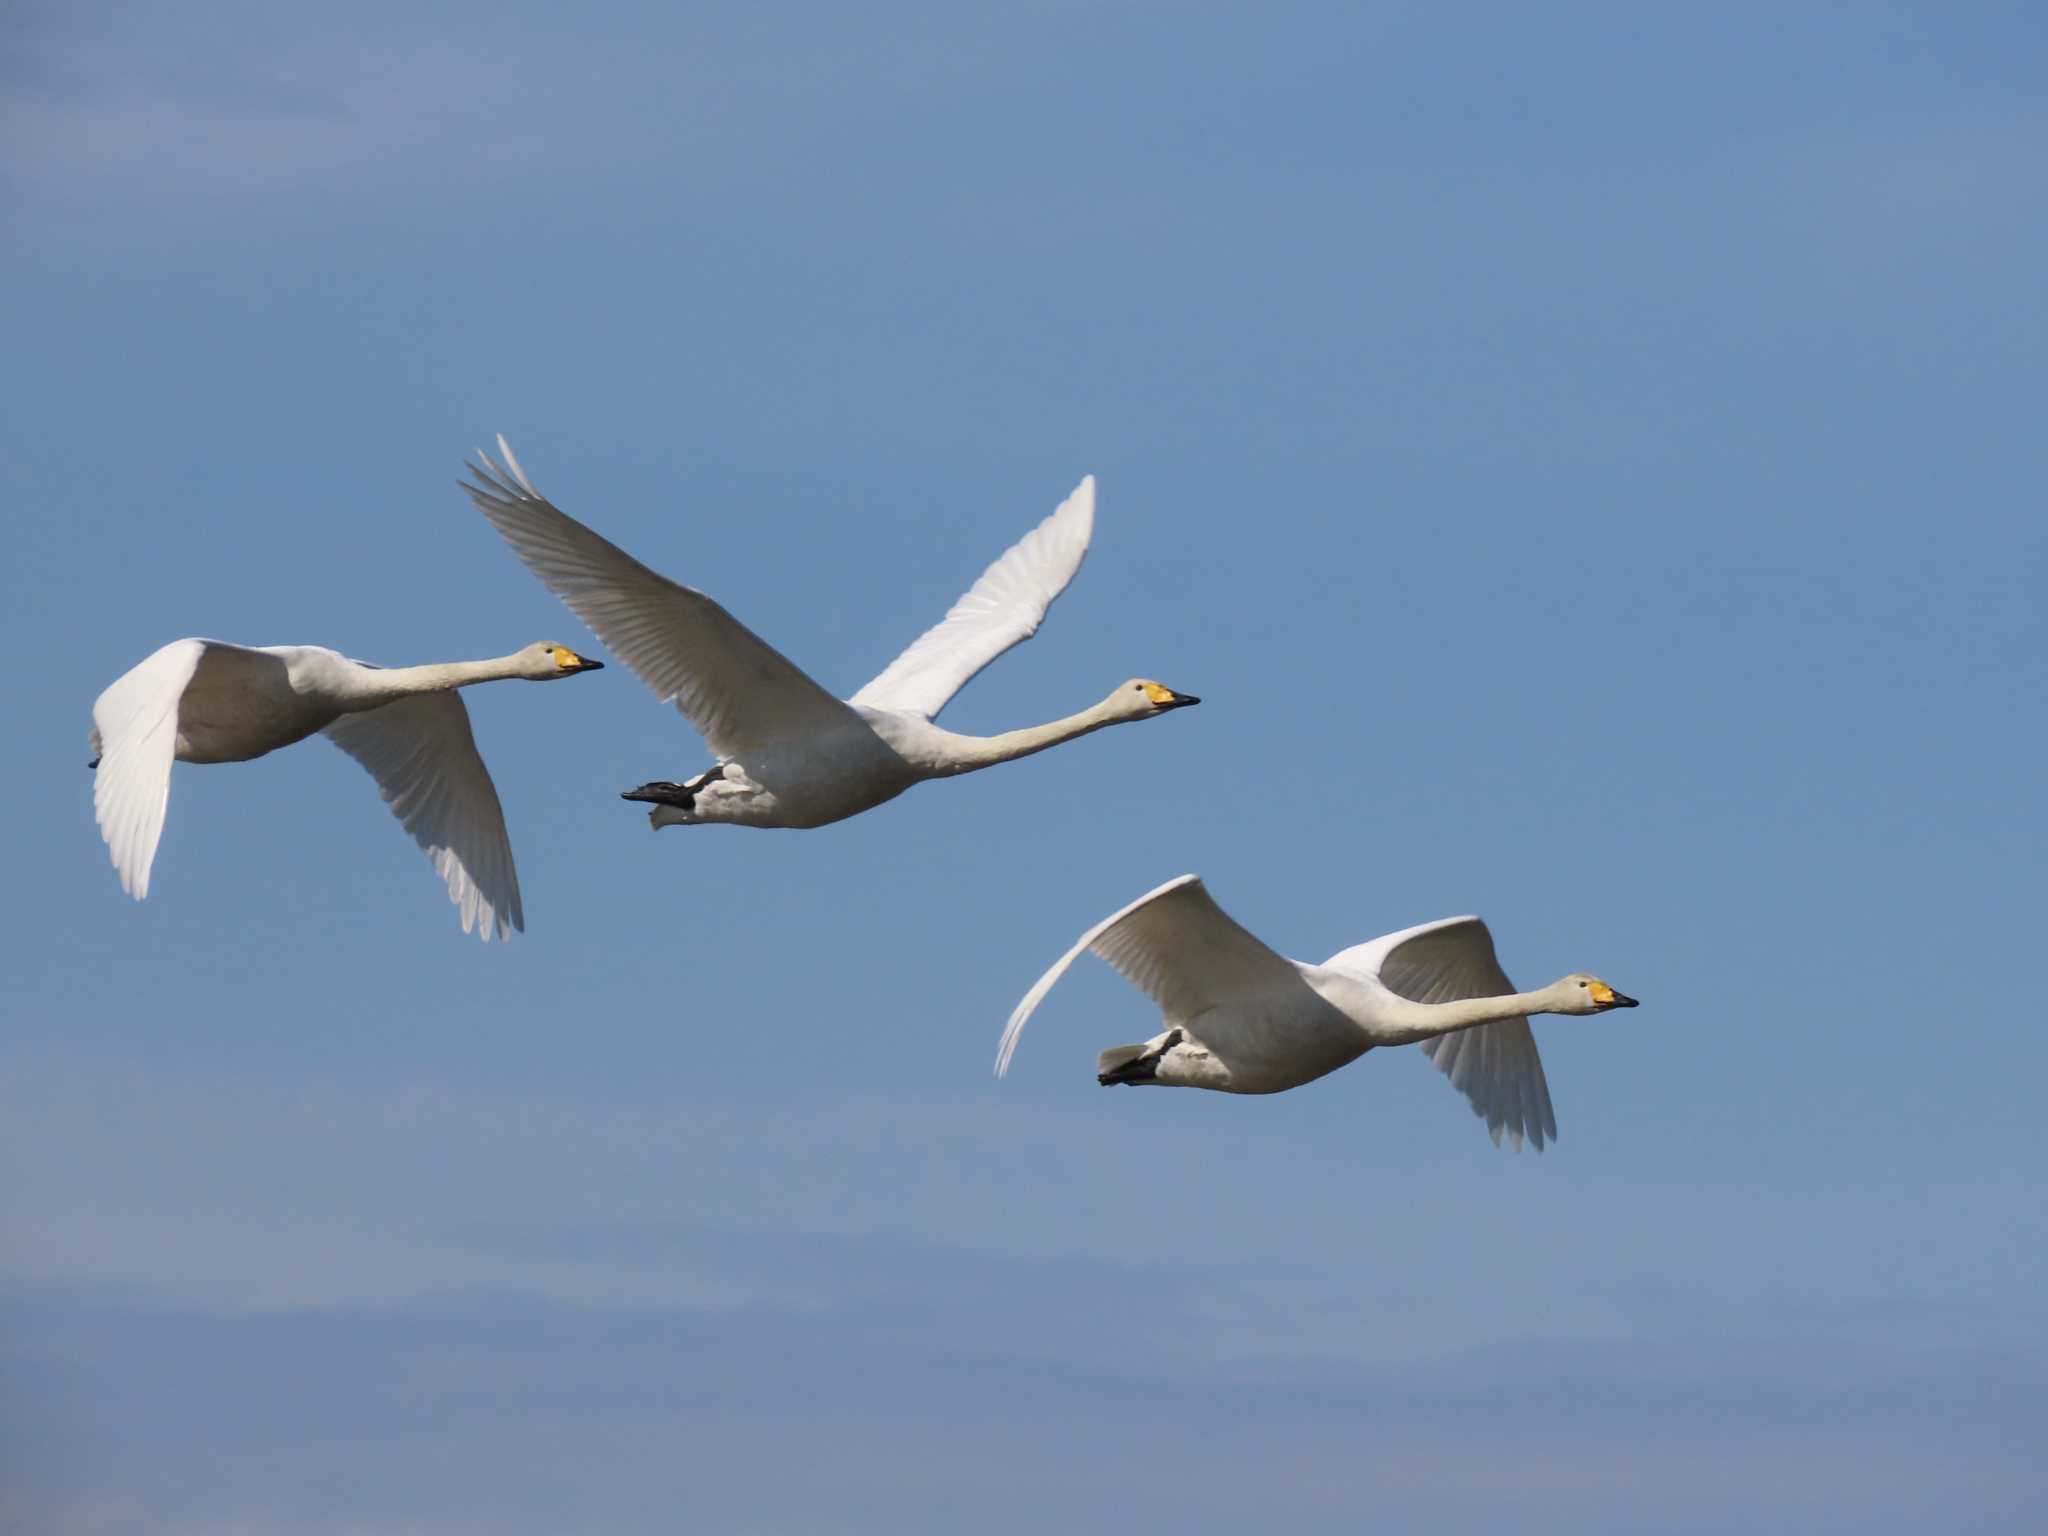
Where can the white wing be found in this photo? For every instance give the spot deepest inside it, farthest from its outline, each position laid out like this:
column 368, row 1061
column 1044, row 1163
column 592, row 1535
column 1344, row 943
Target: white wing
column 999, row 611
column 1494, row 1065
column 423, row 756
column 734, row 687
column 135, row 722
column 1178, row 946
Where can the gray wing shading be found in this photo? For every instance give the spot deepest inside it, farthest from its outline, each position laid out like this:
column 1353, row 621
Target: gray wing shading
column 1177, row 946
column 1000, row 610
column 1495, row 1066
column 422, row 754
column 728, row 682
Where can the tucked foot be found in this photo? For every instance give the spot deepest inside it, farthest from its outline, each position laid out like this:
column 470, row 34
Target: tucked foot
column 682, row 796
column 1133, row 1063
column 661, row 792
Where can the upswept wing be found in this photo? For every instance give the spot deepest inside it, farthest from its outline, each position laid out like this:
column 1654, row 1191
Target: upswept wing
column 733, row 686
column 422, row 754
column 1000, row 610
column 136, row 720
column 1495, row 1066
column 135, row 729
column 1177, row 946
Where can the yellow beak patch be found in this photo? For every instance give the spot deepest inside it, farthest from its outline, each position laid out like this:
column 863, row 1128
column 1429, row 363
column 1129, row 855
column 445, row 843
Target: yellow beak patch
column 1158, row 693
column 564, row 657
column 1601, row 992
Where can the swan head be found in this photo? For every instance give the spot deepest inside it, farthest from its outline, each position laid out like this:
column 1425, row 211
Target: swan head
column 1582, row 992
column 545, row 660
column 1139, row 698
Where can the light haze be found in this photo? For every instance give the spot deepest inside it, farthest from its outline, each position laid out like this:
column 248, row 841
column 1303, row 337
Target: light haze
column 1588, row 459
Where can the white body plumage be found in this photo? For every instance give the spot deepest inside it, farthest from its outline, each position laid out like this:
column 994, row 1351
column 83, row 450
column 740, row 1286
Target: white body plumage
column 207, row 701
column 1242, row 1018
column 789, row 753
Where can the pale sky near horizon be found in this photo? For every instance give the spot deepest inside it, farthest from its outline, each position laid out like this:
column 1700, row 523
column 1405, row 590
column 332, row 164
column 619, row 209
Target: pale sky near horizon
column 1588, row 463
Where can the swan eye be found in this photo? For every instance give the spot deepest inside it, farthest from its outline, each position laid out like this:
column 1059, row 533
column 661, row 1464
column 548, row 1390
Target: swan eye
column 1582, row 986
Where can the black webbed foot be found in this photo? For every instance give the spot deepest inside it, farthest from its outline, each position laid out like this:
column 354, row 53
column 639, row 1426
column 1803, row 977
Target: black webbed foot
column 1139, row 1069
column 661, row 792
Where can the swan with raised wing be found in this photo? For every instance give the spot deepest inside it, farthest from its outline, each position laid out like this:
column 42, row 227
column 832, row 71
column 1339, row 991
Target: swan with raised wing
column 205, row 701
column 788, row 753
column 1241, row 1018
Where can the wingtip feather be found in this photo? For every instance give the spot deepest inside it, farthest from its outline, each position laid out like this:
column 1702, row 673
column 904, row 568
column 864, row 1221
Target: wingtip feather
column 512, row 463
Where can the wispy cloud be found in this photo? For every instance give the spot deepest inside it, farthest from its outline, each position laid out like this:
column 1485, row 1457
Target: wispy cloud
column 216, row 120
column 508, row 1414
column 326, row 1189
column 399, row 103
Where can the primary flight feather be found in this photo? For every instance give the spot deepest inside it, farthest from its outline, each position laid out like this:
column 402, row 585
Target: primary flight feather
column 1242, row 1018
column 788, row 753
column 206, row 701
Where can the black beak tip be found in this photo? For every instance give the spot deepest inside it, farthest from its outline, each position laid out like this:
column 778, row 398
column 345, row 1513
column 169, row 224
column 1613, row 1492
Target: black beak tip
column 592, row 666
column 1622, row 1000
column 1182, row 700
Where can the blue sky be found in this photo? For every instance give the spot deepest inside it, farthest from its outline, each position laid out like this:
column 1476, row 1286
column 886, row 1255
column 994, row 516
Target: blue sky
column 1587, row 461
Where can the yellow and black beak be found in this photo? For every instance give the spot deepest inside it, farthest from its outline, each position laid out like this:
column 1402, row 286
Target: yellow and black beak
column 1164, row 697
column 1607, row 997
column 571, row 663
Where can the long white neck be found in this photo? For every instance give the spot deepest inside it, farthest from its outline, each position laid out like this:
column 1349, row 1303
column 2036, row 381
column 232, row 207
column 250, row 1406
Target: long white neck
column 382, row 685
column 966, row 753
column 1394, row 1020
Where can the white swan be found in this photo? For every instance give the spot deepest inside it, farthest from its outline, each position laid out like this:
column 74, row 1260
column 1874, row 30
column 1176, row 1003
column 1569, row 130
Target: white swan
column 1242, row 1019
column 204, row 701
column 789, row 754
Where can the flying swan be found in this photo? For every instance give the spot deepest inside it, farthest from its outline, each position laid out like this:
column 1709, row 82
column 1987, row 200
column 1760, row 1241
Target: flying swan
column 1243, row 1019
column 789, row 754
column 204, row 701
